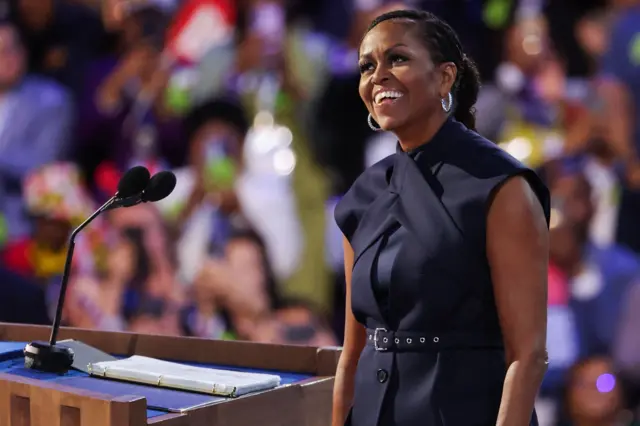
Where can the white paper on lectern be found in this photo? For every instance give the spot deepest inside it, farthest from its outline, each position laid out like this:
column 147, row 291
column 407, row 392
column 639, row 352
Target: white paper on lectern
column 141, row 369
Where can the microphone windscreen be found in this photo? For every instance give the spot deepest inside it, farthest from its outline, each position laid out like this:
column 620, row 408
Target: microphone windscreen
column 160, row 186
column 134, row 181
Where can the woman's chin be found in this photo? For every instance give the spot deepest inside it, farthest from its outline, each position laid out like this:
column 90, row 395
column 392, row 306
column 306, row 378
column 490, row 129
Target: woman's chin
column 389, row 124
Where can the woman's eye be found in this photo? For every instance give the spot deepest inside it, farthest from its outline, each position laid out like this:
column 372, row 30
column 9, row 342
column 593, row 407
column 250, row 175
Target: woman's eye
column 397, row 59
column 364, row 67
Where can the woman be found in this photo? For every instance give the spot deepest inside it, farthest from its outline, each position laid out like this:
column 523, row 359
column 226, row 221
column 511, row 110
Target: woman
column 446, row 246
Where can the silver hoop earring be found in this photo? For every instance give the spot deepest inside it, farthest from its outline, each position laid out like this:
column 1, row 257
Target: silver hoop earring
column 447, row 107
column 372, row 126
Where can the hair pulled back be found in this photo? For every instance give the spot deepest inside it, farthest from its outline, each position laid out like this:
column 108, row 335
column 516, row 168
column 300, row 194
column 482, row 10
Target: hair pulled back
column 444, row 45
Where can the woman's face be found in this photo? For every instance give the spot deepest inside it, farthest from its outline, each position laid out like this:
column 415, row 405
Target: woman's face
column 399, row 83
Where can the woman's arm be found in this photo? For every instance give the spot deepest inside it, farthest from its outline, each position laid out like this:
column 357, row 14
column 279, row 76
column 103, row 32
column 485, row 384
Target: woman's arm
column 354, row 340
column 518, row 250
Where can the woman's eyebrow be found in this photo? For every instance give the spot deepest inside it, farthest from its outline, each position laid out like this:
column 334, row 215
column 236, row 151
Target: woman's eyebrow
column 368, row 53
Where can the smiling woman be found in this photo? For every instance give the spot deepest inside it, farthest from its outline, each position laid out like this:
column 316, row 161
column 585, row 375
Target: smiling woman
column 446, row 246
column 412, row 68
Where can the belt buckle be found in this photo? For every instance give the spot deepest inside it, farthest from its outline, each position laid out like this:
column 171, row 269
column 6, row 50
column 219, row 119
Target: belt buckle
column 375, row 339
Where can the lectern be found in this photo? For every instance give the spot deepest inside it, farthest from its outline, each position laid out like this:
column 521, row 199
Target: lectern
column 33, row 398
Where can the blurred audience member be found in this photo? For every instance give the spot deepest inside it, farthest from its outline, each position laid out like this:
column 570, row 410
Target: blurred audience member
column 626, row 352
column 84, row 306
column 587, row 283
column 155, row 268
column 595, row 140
column 154, row 317
column 594, row 396
column 515, row 76
column 564, row 17
column 621, row 83
column 138, row 282
column 254, row 294
column 36, row 119
column 235, row 295
column 57, row 201
column 204, row 316
column 205, row 205
column 62, row 37
column 530, row 110
column 592, row 35
column 299, row 323
column 124, row 116
column 619, row 87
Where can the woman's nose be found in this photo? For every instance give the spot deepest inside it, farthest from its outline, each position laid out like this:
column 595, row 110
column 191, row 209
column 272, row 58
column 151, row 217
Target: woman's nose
column 380, row 75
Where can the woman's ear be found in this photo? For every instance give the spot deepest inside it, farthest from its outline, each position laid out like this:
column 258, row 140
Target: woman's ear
column 449, row 74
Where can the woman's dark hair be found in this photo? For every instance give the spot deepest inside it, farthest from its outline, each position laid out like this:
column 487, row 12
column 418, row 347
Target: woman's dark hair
column 444, row 46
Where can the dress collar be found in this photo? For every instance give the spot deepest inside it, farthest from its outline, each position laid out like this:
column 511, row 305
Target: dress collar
column 438, row 143
column 426, row 155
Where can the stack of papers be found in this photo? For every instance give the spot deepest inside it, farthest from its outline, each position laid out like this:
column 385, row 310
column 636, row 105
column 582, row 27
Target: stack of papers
column 151, row 371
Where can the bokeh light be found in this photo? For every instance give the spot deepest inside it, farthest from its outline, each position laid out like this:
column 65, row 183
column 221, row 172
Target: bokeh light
column 606, row 383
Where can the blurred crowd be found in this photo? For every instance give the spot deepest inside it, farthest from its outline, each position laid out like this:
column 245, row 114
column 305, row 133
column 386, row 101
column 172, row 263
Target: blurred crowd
column 253, row 104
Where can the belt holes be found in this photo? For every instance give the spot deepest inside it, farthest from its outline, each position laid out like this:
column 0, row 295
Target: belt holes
column 385, row 340
column 409, row 341
column 397, row 340
column 436, row 339
column 422, row 340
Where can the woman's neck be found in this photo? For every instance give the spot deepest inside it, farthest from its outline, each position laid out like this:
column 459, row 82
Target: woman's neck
column 420, row 133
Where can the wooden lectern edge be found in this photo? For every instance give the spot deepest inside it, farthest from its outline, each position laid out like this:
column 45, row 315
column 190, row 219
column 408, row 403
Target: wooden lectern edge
column 283, row 405
column 26, row 381
column 49, row 403
column 313, row 396
column 171, row 419
column 327, row 358
column 318, row 361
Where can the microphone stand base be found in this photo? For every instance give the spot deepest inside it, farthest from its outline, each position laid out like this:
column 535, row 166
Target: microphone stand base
column 45, row 357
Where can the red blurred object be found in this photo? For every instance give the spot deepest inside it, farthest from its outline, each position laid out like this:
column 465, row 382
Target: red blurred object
column 200, row 25
column 107, row 177
column 557, row 286
column 16, row 257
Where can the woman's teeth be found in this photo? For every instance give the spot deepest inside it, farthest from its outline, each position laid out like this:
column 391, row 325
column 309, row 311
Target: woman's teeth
column 390, row 95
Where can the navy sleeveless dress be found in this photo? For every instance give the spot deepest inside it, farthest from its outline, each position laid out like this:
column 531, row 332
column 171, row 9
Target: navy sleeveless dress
column 421, row 283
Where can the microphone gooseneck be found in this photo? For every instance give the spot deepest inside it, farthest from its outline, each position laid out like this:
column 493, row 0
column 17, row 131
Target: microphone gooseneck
column 67, row 269
column 47, row 356
column 132, row 182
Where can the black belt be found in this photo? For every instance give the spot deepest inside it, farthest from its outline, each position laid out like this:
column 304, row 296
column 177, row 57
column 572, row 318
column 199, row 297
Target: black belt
column 407, row 341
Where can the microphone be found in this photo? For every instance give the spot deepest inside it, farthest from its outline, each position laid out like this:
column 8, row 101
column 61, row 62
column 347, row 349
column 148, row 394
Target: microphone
column 134, row 181
column 158, row 188
column 47, row 356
